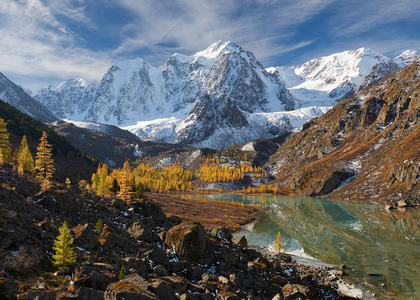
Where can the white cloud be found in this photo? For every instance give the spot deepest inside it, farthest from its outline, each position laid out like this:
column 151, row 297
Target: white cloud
column 34, row 42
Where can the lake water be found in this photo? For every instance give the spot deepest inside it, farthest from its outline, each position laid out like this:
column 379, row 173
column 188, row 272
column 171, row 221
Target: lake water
column 381, row 248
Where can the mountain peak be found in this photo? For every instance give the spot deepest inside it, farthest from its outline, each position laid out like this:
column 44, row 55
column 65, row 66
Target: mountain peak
column 407, row 57
column 75, row 82
column 216, row 48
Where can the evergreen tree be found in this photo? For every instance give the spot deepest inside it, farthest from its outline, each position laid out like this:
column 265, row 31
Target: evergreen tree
column 278, row 244
column 64, row 255
column 44, row 163
column 114, row 188
column 26, row 161
column 126, row 189
column 5, row 147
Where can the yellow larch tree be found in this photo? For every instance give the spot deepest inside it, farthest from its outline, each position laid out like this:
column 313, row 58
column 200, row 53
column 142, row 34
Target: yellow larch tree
column 44, row 163
column 126, row 188
column 26, row 161
column 5, row 148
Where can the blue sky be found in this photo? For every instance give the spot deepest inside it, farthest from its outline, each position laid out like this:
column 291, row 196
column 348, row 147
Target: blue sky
column 44, row 42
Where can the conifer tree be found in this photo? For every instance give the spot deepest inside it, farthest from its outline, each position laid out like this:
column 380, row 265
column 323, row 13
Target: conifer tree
column 64, row 255
column 278, row 244
column 44, row 163
column 26, row 161
column 126, row 189
column 5, row 148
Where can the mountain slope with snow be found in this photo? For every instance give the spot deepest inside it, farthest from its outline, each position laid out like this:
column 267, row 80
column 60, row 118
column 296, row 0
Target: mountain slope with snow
column 218, row 96
column 326, row 80
column 18, row 98
column 224, row 81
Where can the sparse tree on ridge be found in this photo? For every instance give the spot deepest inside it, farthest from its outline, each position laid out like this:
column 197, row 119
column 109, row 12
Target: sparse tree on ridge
column 5, row 147
column 44, row 163
column 26, row 161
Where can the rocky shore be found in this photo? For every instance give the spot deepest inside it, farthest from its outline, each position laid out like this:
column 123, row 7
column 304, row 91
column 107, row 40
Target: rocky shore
column 139, row 253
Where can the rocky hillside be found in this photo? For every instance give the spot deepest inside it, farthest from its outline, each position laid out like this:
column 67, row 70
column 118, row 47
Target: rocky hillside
column 366, row 147
column 138, row 253
column 69, row 161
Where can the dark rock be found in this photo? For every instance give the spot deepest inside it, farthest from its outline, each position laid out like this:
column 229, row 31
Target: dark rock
column 189, row 240
column 142, row 232
column 85, row 293
column 342, row 267
column 223, row 234
column 179, row 284
column 160, row 271
column 136, row 264
column 162, row 289
column 157, row 255
column 97, row 276
column 149, row 208
column 131, row 287
column 8, row 288
column 334, row 181
column 298, row 291
column 108, row 240
column 241, row 241
column 24, row 188
column 85, row 237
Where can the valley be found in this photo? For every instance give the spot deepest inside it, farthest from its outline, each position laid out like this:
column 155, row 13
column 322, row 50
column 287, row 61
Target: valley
column 325, row 153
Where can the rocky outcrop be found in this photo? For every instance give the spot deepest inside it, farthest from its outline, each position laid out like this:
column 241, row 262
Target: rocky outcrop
column 354, row 150
column 188, row 240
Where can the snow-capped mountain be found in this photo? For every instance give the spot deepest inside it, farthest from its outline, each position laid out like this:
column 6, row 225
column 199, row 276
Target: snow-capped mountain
column 407, row 57
column 218, row 96
column 221, row 81
column 16, row 96
column 326, row 80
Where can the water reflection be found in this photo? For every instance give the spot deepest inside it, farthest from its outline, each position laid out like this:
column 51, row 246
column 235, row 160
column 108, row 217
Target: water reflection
column 364, row 236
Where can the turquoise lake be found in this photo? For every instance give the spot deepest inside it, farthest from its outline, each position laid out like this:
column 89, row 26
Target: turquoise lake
column 381, row 248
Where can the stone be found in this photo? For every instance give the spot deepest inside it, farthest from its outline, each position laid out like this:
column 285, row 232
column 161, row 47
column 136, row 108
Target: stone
column 85, row 293
column 160, row 271
column 189, row 240
column 342, row 267
column 162, row 289
column 85, row 237
column 278, row 297
column 241, row 241
column 157, row 255
column 130, row 287
column 97, row 276
column 142, row 232
column 298, row 291
column 402, row 203
column 134, row 263
column 223, row 279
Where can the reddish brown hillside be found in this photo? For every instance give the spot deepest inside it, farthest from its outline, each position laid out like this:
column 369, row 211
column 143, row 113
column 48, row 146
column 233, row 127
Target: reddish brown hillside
column 366, row 147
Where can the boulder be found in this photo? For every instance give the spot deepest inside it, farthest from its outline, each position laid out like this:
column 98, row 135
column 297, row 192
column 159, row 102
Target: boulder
column 157, row 256
column 298, row 291
column 97, row 276
column 135, row 264
column 241, row 241
column 162, row 289
column 85, row 293
column 402, row 203
column 188, row 239
column 142, row 232
column 85, row 237
column 160, row 271
column 131, row 287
